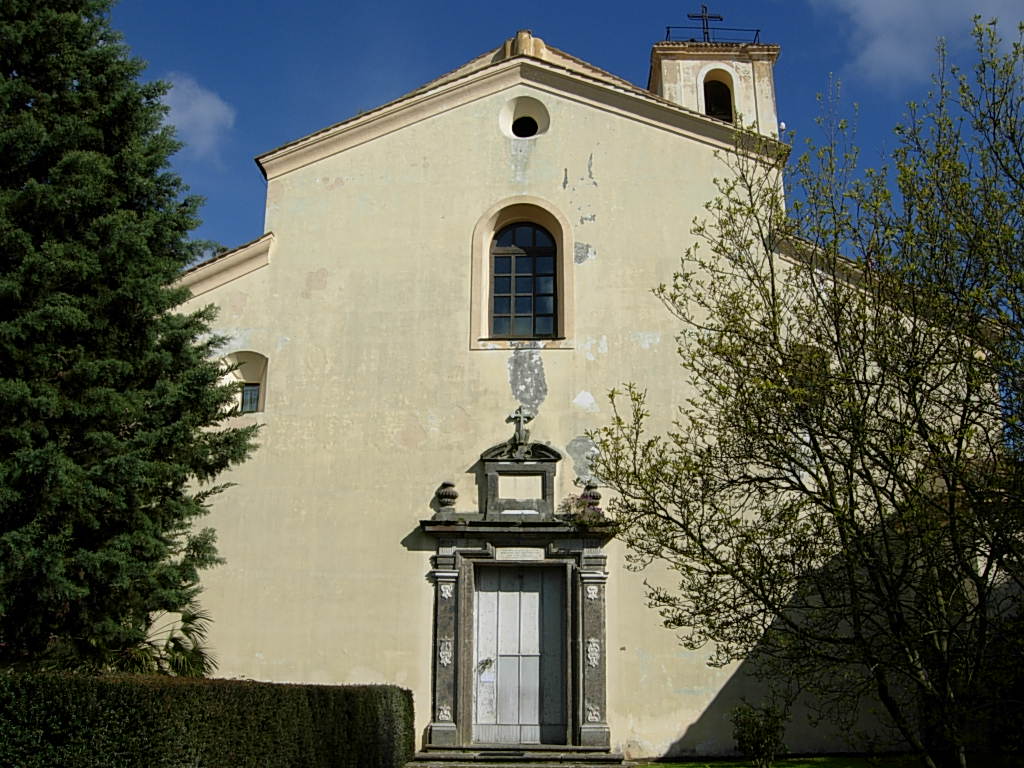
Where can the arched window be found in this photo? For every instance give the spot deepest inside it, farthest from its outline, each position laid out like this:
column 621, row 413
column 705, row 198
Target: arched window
column 524, row 283
column 250, row 369
column 522, row 276
column 717, row 99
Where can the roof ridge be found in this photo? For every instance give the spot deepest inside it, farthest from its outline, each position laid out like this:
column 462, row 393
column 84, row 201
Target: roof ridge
column 503, row 52
column 523, row 47
column 450, row 76
column 594, row 67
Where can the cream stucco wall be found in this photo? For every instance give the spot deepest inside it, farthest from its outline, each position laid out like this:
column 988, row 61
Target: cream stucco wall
column 374, row 395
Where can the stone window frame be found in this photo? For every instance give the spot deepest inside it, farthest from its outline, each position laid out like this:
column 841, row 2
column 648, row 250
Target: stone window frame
column 251, row 397
column 250, row 368
column 718, row 73
column 514, row 210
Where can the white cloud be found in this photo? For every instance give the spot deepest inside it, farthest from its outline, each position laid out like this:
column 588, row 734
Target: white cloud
column 893, row 41
column 201, row 117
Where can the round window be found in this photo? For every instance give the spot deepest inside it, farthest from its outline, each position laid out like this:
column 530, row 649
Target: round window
column 523, row 118
column 524, row 127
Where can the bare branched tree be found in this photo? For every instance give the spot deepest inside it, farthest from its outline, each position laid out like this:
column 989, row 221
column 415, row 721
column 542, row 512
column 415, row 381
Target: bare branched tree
column 841, row 492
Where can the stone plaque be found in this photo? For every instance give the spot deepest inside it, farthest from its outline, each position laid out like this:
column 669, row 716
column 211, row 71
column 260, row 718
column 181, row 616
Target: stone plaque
column 519, row 553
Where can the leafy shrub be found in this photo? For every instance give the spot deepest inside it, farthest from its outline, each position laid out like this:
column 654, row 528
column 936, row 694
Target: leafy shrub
column 758, row 732
column 155, row 722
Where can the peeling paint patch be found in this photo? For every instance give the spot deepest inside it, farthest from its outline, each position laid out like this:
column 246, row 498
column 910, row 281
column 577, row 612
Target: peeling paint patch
column 520, row 158
column 565, row 178
column 588, row 218
column 646, row 339
column 585, row 402
column 590, row 169
column 331, row 182
column 594, row 347
column 582, row 451
column 582, row 252
column 274, row 194
column 315, row 281
column 526, row 378
column 235, row 339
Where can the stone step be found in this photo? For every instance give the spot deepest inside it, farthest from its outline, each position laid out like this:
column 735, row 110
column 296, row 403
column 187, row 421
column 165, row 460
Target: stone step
column 511, row 764
column 523, row 758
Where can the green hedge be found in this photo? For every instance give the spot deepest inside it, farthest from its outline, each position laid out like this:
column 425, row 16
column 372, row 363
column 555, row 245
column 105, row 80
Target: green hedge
column 76, row 721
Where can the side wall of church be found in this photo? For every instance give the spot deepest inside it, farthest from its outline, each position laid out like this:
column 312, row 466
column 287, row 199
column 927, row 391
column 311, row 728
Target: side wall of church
column 374, row 397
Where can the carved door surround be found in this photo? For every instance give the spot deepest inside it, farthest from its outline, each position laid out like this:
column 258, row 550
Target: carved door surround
column 520, row 534
column 459, row 552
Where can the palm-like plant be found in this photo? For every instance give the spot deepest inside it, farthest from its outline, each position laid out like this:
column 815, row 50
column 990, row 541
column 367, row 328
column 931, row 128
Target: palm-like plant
column 175, row 644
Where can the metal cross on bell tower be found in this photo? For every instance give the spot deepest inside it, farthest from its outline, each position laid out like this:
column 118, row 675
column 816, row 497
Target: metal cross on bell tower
column 704, row 17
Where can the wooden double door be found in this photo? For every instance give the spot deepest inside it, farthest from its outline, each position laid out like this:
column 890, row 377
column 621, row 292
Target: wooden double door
column 520, row 681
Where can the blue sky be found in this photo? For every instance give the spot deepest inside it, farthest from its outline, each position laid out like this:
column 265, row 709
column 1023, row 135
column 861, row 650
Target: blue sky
column 250, row 76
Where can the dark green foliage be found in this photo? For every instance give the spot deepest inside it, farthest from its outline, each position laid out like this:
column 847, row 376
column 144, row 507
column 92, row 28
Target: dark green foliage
column 110, row 402
column 78, row 721
column 758, row 732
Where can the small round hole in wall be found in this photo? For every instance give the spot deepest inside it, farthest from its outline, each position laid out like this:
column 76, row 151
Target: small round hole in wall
column 523, row 118
column 524, row 127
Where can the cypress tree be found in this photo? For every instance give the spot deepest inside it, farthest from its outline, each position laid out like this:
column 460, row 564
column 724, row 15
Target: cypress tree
column 112, row 411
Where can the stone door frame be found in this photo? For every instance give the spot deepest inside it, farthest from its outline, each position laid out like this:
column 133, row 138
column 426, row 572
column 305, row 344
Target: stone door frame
column 460, row 548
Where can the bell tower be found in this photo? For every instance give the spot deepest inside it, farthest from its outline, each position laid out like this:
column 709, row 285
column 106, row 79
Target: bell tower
column 722, row 72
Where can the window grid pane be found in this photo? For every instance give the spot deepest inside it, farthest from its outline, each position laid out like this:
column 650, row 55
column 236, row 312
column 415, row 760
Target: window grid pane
column 250, row 398
column 523, row 283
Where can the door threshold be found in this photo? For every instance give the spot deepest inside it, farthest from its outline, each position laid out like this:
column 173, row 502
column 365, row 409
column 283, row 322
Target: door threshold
column 548, row 757
column 518, row 748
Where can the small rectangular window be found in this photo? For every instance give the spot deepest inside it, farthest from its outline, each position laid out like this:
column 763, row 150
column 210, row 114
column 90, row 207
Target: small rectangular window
column 250, row 398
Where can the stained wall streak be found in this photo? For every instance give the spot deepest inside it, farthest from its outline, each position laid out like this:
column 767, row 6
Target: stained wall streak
column 582, row 451
column 526, row 378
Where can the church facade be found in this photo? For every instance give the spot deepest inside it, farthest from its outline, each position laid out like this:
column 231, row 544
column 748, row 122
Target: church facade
column 447, row 288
